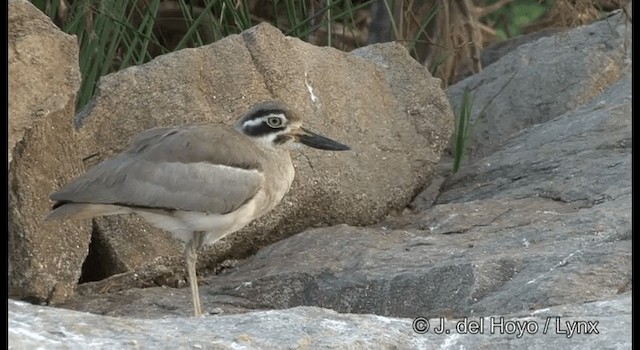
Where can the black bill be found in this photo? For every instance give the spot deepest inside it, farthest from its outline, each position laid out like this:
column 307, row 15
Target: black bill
column 314, row 140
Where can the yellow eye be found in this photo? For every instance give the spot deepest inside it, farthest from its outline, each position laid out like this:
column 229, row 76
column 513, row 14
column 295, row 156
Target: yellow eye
column 274, row 122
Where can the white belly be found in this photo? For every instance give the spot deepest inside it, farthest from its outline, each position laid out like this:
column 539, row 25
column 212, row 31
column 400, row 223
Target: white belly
column 182, row 224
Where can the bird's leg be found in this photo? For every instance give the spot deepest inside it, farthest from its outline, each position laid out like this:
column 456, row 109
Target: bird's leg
column 191, row 254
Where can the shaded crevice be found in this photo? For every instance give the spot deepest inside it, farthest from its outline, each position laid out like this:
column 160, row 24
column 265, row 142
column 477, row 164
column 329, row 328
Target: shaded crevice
column 576, row 203
column 99, row 263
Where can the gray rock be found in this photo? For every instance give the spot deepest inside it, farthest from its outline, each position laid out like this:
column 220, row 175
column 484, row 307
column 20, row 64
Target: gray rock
column 497, row 50
column 542, row 80
column 44, row 77
column 601, row 324
column 582, row 157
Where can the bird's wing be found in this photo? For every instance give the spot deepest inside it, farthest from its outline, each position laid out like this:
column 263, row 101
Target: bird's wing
column 196, row 168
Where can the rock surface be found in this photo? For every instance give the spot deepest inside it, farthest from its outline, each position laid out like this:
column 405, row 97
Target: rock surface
column 44, row 77
column 599, row 325
column 542, row 80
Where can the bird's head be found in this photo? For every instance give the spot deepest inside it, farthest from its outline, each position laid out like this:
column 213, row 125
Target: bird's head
column 276, row 125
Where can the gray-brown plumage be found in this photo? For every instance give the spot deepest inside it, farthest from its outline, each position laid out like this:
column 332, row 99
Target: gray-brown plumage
column 199, row 182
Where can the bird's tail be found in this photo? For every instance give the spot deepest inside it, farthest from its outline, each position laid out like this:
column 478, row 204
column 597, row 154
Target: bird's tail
column 85, row 211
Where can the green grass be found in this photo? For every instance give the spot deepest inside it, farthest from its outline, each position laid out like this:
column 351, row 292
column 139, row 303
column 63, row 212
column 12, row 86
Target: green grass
column 511, row 18
column 464, row 126
column 462, row 129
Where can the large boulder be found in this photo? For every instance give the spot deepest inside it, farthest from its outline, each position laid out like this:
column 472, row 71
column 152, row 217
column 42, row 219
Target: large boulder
column 45, row 259
column 543, row 79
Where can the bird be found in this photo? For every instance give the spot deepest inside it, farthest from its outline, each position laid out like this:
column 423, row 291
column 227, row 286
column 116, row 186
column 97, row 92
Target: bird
column 200, row 182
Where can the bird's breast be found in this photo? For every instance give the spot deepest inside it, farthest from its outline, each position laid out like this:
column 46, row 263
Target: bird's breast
column 279, row 175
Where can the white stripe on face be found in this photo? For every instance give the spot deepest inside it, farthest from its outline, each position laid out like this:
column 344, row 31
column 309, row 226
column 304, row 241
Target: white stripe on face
column 261, row 120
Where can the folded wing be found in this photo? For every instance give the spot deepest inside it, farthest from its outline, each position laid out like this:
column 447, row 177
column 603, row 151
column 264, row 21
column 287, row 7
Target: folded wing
column 196, row 168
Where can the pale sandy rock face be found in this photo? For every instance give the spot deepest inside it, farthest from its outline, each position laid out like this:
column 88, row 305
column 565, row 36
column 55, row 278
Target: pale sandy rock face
column 45, row 258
